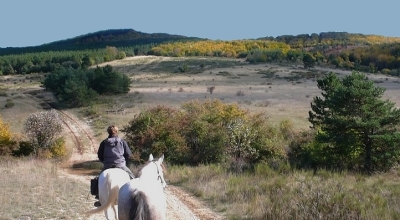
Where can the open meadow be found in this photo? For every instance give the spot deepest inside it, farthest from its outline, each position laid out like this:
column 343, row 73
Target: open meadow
column 280, row 90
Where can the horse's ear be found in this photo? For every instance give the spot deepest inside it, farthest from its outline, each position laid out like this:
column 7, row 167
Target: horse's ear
column 151, row 158
column 161, row 159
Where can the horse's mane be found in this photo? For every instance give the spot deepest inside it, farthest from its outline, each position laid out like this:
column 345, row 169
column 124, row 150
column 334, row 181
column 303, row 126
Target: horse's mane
column 140, row 207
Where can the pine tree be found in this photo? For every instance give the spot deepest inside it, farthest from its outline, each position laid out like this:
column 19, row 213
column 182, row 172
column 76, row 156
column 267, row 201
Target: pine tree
column 359, row 129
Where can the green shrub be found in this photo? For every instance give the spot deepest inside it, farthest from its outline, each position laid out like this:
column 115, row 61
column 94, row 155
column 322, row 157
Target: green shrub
column 184, row 68
column 386, row 71
column 156, row 131
column 204, row 133
column 9, row 104
column 206, row 141
column 25, row 149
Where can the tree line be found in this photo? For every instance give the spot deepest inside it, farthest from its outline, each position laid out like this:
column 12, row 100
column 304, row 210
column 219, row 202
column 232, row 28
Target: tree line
column 384, row 58
column 79, row 87
column 46, row 62
column 365, row 53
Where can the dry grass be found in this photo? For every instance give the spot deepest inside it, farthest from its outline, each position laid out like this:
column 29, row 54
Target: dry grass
column 288, row 89
column 282, row 91
column 32, row 189
column 37, row 191
column 273, row 194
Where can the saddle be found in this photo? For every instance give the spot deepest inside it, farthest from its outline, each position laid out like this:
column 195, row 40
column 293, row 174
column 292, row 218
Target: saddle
column 94, row 183
column 94, row 186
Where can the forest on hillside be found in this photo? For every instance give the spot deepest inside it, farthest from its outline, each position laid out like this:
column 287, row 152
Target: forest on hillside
column 367, row 53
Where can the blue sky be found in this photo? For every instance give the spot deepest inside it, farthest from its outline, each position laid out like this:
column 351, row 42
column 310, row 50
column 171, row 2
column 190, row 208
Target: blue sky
column 35, row 22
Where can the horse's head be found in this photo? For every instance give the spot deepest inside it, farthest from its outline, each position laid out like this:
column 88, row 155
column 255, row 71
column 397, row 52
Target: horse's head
column 160, row 169
column 154, row 169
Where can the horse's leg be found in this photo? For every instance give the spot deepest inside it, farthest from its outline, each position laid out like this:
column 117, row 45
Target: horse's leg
column 109, row 214
column 115, row 209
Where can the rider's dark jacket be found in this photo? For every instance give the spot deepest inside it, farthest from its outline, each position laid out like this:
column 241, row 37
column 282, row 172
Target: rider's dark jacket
column 114, row 152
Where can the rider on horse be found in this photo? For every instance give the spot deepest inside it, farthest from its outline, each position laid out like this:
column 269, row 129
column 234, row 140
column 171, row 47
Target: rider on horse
column 113, row 152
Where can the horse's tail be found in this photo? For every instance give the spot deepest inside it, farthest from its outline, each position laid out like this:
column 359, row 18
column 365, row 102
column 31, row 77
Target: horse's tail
column 112, row 197
column 139, row 209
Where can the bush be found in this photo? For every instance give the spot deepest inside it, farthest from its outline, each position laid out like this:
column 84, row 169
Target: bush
column 300, row 153
column 204, row 133
column 42, row 129
column 58, row 150
column 207, row 141
column 7, row 144
column 184, row 68
column 25, row 149
column 240, row 93
column 156, row 131
column 386, row 71
column 9, row 104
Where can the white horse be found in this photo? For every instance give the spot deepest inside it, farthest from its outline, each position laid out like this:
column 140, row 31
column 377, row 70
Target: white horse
column 110, row 181
column 143, row 198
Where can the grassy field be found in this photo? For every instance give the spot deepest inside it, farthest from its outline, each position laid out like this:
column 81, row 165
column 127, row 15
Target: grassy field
column 281, row 91
column 32, row 189
column 292, row 194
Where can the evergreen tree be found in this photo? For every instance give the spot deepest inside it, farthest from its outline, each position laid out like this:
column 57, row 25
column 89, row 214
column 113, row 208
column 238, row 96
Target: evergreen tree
column 309, row 60
column 359, row 129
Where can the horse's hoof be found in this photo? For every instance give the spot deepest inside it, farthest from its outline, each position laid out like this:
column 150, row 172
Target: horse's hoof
column 97, row 204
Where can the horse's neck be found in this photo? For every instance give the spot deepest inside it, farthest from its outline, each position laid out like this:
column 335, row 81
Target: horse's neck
column 149, row 172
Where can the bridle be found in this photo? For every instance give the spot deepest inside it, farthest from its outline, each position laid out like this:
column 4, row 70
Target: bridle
column 159, row 175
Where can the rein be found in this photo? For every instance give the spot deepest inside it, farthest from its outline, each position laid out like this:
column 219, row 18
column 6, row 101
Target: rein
column 158, row 173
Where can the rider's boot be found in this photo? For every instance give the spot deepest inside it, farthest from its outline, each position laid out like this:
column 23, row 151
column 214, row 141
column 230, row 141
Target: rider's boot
column 97, row 203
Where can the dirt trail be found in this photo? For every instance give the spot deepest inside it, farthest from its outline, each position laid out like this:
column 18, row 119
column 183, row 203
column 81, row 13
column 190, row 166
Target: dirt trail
column 180, row 204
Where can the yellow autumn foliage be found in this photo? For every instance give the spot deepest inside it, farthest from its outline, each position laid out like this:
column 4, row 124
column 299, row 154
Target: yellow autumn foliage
column 58, row 149
column 217, row 48
column 214, row 108
column 5, row 134
column 7, row 145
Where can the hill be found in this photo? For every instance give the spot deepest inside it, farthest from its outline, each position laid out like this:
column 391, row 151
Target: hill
column 366, row 53
column 101, row 39
column 130, row 37
column 332, row 38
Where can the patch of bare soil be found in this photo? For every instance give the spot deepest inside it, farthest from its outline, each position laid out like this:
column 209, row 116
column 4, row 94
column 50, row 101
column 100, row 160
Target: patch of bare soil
column 195, row 209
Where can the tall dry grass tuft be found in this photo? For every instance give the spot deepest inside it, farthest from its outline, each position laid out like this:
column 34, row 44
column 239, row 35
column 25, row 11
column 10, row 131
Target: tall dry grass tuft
column 34, row 189
column 270, row 193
